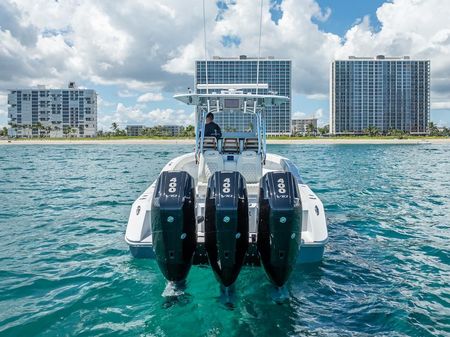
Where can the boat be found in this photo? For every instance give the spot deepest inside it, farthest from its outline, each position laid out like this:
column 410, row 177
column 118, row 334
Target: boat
column 229, row 204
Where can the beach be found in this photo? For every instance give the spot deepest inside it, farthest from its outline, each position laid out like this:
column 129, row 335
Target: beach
column 143, row 141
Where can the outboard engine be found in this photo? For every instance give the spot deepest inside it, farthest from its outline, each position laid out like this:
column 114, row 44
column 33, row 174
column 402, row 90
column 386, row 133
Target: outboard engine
column 226, row 225
column 173, row 224
column 279, row 228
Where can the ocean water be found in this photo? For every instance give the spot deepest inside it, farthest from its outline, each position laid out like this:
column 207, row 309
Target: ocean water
column 65, row 269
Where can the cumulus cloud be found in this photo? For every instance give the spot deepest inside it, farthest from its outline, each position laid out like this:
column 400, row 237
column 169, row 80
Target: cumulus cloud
column 150, row 97
column 139, row 114
column 101, row 42
column 424, row 33
column 170, row 116
column 3, row 110
column 294, row 36
column 441, row 105
column 318, row 113
column 9, row 18
column 102, row 103
column 298, row 115
column 126, row 93
column 3, row 113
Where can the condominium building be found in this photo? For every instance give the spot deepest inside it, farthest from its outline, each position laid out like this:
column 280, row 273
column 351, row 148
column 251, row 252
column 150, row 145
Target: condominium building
column 300, row 125
column 166, row 130
column 173, row 130
column 274, row 74
column 134, row 130
column 43, row 112
column 383, row 92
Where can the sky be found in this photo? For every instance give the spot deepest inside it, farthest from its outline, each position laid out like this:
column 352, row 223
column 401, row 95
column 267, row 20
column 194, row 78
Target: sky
column 137, row 54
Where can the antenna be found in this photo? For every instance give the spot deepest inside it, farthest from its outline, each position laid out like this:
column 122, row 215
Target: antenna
column 259, row 47
column 204, row 40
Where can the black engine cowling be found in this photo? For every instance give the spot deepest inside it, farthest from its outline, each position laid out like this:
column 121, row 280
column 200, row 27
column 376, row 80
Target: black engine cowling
column 279, row 228
column 226, row 225
column 173, row 224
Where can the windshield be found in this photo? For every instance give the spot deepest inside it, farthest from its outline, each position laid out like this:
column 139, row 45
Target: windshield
column 235, row 121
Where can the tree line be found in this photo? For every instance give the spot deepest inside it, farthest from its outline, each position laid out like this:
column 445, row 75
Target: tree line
column 4, row 131
column 43, row 131
column 432, row 128
column 189, row 131
column 373, row 131
column 154, row 131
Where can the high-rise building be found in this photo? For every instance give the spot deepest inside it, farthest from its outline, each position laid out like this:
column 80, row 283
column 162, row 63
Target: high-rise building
column 275, row 73
column 70, row 112
column 383, row 92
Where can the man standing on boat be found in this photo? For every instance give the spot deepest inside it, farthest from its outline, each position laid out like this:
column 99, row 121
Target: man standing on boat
column 211, row 128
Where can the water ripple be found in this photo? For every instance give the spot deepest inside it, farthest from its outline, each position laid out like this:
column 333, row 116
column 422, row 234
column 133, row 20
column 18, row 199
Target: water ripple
column 65, row 269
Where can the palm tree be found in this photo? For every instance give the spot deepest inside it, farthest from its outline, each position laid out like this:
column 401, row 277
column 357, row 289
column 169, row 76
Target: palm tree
column 37, row 126
column 48, row 130
column 397, row 133
column 446, row 132
column 56, row 128
column 14, row 128
column 73, row 131
column 189, row 131
column 372, row 131
column 433, row 129
column 310, row 129
column 114, row 127
column 66, row 131
column 325, row 130
column 27, row 127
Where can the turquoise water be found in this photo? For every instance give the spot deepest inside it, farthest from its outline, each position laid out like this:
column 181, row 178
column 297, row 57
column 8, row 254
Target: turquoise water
column 65, row 269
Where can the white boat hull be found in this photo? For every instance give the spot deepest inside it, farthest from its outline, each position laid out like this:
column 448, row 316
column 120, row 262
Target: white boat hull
column 314, row 234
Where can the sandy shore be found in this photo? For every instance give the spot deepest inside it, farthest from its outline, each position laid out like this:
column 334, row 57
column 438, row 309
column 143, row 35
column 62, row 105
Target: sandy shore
column 325, row 141
column 94, row 141
column 319, row 141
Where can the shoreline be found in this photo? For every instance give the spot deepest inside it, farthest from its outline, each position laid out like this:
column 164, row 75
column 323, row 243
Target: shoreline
column 319, row 141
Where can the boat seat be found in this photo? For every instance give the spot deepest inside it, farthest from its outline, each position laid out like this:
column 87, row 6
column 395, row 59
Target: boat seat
column 210, row 143
column 230, row 145
column 210, row 162
column 249, row 165
column 251, row 144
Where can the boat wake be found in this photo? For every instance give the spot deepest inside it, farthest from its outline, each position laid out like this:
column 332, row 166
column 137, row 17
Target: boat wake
column 280, row 295
column 228, row 296
column 175, row 294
